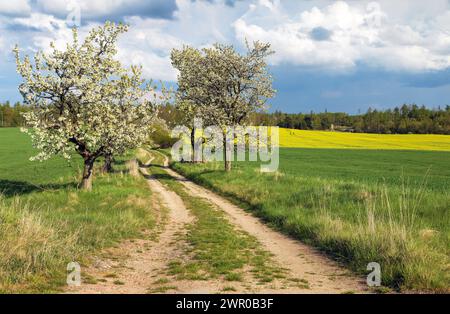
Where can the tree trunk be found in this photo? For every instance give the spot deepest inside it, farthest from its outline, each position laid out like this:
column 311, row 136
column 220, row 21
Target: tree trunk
column 227, row 163
column 107, row 166
column 193, row 145
column 86, row 182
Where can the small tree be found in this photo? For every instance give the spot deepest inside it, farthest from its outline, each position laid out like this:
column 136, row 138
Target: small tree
column 223, row 85
column 80, row 99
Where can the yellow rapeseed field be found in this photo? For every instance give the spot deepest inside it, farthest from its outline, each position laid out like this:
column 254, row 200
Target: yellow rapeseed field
column 327, row 139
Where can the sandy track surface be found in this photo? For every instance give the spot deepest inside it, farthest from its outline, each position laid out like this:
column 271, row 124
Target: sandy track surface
column 136, row 265
column 323, row 274
column 140, row 265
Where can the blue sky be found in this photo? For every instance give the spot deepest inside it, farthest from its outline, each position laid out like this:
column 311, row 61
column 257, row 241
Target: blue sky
column 334, row 55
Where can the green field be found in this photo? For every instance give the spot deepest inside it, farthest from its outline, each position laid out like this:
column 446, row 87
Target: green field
column 360, row 206
column 391, row 207
column 46, row 222
column 19, row 174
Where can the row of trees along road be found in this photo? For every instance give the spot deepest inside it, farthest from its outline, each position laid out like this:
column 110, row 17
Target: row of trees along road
column 222, row 87
column 83, row 100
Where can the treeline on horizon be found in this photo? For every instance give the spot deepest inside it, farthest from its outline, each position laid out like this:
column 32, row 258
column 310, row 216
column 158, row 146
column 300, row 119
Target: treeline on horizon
column 400, row 120
column 11, row 115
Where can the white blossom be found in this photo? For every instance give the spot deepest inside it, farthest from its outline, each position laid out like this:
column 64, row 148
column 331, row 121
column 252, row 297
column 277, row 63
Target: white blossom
column 222, row 86
column 83, row 100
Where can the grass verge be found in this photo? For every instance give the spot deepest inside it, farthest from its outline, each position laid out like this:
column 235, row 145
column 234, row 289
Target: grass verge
column 41, row 231
column 356, row 218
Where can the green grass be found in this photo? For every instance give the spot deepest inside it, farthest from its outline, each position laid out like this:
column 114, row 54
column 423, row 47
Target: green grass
column 118, row 282
column 359, row 206
column 161, row 289
column 46, row 222
column 161, row 281
column 20, row 175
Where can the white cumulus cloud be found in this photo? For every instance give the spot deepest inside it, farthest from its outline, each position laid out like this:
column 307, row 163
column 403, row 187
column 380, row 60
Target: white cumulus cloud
column 333, row 35
column 16, row 7
column 341, row 34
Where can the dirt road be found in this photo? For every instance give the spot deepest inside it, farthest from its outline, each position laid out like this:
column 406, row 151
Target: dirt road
column 136, row 270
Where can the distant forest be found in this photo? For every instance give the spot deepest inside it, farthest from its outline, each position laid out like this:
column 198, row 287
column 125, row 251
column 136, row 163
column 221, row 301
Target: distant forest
column 11, row 115
column 400, row 120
